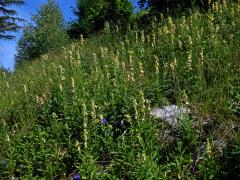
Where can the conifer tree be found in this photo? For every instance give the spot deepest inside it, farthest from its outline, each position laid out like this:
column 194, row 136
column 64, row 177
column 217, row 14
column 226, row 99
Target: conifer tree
column 26, row 46
column 164, row 5
column 8, row 19
column 47, row 33
column 91, row 15
column 50, row 33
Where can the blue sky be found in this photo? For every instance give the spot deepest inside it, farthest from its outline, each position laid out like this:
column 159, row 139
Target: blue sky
column 8, row 48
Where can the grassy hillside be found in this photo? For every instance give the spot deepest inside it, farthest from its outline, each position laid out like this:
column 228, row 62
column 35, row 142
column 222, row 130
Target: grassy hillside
column 86, row 109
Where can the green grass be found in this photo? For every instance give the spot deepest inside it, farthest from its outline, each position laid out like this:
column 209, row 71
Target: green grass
column 51, row 109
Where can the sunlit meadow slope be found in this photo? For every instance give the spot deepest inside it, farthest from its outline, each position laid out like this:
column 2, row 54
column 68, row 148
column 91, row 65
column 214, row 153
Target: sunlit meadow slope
column 86, row 109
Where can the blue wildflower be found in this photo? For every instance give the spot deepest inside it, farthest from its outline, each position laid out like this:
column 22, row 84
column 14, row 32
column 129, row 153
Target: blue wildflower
column 122, row 123
column 104, row 121
column 4, row 162
column 76, row 176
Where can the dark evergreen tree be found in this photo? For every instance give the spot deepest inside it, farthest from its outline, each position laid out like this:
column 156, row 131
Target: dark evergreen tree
column 119, row 11
column 91, row 15
column 8, row 18
column 169, row 5
column 27, row 47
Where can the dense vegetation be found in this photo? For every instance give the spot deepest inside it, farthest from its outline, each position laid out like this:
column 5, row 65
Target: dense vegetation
column 86, row 109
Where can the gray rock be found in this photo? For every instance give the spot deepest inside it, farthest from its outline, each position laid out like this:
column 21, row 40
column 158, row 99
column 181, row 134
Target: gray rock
column 170, row 114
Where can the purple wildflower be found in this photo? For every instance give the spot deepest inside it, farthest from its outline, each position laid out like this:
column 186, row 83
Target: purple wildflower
column 122, row 123
column 76, row 176
column 104, row 121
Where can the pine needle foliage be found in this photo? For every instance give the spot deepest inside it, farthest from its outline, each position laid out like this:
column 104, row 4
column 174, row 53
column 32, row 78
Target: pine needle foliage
column 8, row 18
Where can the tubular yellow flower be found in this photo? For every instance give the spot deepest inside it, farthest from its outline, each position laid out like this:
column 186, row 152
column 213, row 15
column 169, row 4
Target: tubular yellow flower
column 25, row 88
column 116, row 60
column 93, row 112
column 209, row 3
column 191, row 21
column 148, row 102
column 71, row 55
column 7, row 84
column 54, row 115
column 215, row 7
column 79, row 53
column 77, row 145
column 170, row 22
column 61, row 69
column 136, row 36
column 85, row 132
column 185, row 98
column 7, row 138
column 201, row 58
column 189, row 61
column 148, row 39
column 161, row 17
column 129, row 27
column 130, row 55
column 127, row 42
column 122, row 45
column 107, row 27
column 37, row 99
column 128, row 117
column 62, row 77
column 224, row 3
column 190, row 40
column 94, row 58
column 142, row 37
column 73, row 84
column 107, row 72
column 154, row 39
column 172, row 38
column 142, row 101
column 131, row 60
column 62, row 72
column 60, row 87
column 157, row 66
column 135, row 105
column 180, row 44
column 105, row 50
column 117, row 28
column 81, row 39
column 173, row 64
column 65, row 53
column 123, row 66
column 4, row 75
column 114, row 80
column 102, row 52
column 141, row 69
column 209, row 148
